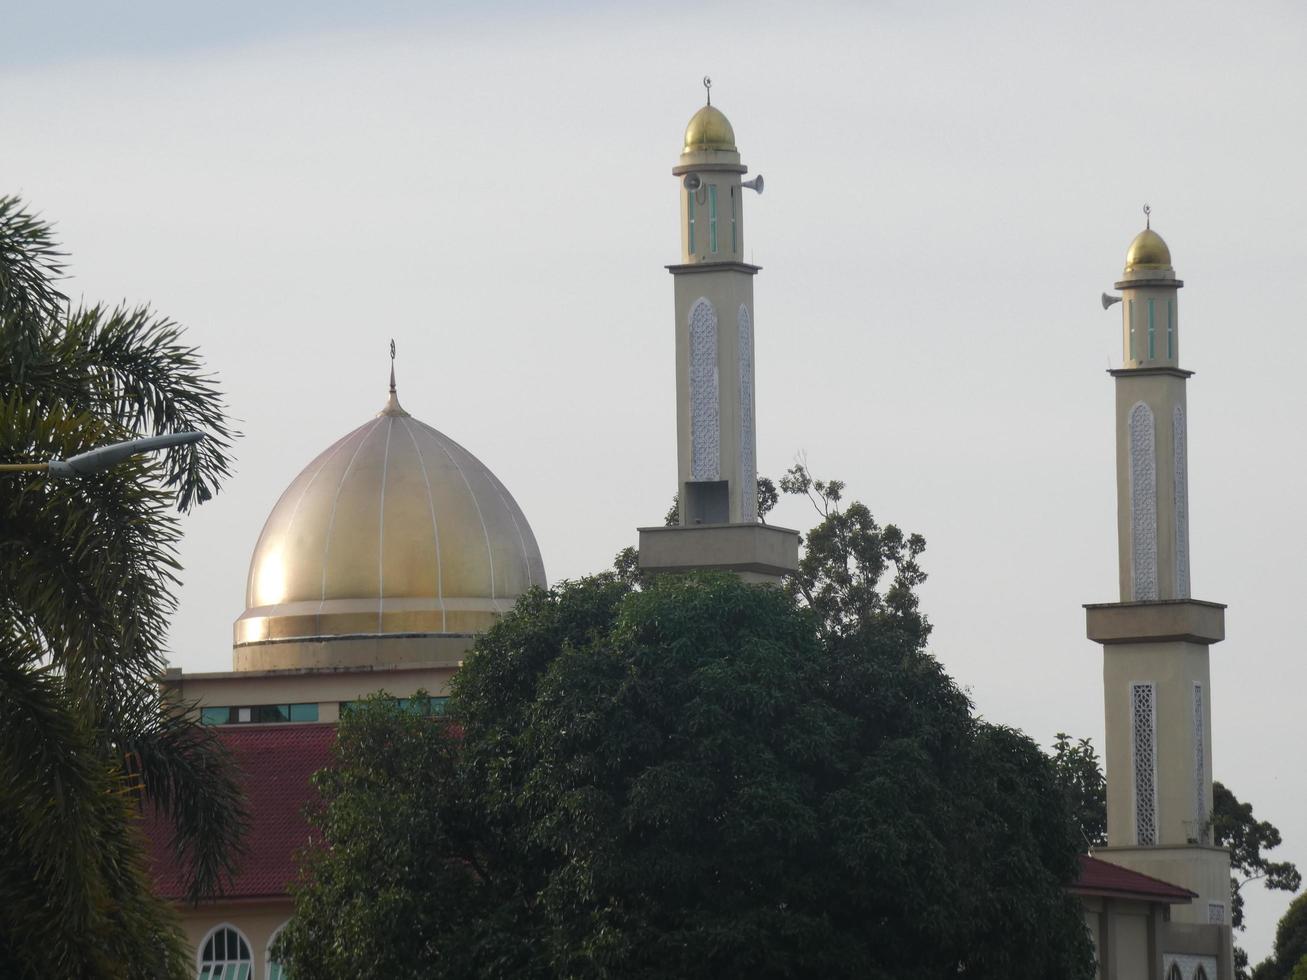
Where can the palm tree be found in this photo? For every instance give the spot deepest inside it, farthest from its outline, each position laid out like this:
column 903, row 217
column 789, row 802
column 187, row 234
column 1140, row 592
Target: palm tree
column 87, row 580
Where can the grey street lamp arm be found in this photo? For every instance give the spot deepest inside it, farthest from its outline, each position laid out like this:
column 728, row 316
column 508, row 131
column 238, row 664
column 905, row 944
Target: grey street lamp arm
column 104, row 457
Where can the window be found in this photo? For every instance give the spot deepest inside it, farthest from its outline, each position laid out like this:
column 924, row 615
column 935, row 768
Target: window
column 689, row 205
column 273, row 970
column 225, row 956
column 259, row 714
column 735, row 242
column 1170, row 328
column 712, row 215
column 304, row 712
column 1152, row 333
column 1130, row 312
column 416, row 706
column 1174, row 973
column 1200, row 973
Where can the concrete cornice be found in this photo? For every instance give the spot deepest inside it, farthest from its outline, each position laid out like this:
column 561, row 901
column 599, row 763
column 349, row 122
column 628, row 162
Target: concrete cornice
column 1163, row 621
column 690, row 267
column 1148, row 284
column 1145, row 371
column 705, row 168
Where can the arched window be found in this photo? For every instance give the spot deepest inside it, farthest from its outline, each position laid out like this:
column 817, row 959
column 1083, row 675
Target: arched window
column 1200, row 973
column 1174, row 973
column 225, row 955
column 273, row 970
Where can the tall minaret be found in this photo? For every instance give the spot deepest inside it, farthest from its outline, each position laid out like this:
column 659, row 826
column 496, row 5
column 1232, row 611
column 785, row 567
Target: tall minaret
column 1156, row 684
column 715, row 434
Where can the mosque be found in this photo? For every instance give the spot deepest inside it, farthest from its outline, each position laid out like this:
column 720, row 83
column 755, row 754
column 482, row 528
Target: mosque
column 395, row 547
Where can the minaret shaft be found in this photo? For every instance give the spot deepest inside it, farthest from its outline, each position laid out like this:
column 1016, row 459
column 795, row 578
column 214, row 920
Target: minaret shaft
column 716, row 438
column 1156, row 676
column 1152, row 484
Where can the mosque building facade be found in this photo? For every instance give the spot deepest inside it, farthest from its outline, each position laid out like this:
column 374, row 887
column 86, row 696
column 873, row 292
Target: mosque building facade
column 394, row 548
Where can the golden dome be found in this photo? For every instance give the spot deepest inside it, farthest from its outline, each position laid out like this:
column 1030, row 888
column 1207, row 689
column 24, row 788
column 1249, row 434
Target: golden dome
column 1148, row 251
column 709, row 129
column 394, row 529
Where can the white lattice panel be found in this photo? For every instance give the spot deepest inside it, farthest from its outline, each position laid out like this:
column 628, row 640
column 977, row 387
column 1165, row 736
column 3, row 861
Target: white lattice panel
column 1181, row 506
column 748, row 462
column 705, row 403
column 1143, row 715
column 1143, row 503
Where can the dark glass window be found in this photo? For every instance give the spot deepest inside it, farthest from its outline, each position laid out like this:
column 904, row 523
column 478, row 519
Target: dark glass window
column 215, row 716
column 304, row 712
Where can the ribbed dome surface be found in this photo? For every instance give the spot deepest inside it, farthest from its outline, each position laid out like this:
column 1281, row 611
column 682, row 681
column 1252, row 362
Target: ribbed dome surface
column 395, row 528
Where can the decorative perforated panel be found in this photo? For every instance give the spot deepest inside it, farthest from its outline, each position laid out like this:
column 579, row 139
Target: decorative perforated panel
column 1143, row 503
column 1216, row 913
column 705, row 404
column 1143, row 715
column 1200, row 766
column 748, row 462
column 1181, row 506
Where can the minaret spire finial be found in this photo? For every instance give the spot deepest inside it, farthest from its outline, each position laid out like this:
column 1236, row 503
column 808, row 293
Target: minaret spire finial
column 707, row 87
column 392, row 365
column 1148, row 216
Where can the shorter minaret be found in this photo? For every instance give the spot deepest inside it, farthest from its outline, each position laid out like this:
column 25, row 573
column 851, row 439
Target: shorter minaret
column 717, row 485
column 1156, row 680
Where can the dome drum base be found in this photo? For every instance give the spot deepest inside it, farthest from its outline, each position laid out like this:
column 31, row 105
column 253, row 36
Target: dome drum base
column 344, row 652
column 354, row 617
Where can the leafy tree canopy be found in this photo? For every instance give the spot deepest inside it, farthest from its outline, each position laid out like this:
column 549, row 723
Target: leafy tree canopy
column 1077, row 770
column 697, row 778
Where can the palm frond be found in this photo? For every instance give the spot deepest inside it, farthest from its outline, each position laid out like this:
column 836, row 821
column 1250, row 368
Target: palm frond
column 185, row 772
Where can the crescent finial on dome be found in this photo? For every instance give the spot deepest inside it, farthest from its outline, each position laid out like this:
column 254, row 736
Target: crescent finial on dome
column 393, row 407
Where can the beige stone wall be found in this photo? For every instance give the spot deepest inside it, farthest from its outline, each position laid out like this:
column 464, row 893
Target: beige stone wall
column 1130, row 959
column 1173, row 668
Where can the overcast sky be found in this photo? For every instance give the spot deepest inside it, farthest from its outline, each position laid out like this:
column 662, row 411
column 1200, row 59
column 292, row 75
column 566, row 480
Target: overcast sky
column 949, row 189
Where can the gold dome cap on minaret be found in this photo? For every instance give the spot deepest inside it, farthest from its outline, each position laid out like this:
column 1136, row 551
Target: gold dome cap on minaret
column 1148, row 251
column 709, row 129
column 395, row 529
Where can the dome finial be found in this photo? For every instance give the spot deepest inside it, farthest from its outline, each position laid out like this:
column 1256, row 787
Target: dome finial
column 707, row 88
column 1148, row 220
column 392, row 403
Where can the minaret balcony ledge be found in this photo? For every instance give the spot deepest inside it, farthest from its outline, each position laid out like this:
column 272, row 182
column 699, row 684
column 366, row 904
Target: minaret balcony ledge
column 1165, row 620
column 756, row 552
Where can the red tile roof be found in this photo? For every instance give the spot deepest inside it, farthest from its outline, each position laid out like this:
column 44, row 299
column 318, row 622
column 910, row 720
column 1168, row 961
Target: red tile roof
column 1098, row 877
column 276, row 762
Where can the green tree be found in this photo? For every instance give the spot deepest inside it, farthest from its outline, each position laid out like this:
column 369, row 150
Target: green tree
column 387, row 799
column 1288, row 959
column 87, row 579
column 846, row 558
column 697, row 779
column 1078, row 773
column 1235, row 827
